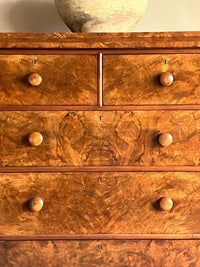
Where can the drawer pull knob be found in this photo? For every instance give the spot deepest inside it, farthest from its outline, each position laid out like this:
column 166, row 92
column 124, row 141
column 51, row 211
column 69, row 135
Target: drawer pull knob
column 36, row 204
column 34, row 79
column 165, row 139
column 166, row 79
column 35, row 139
column 166, row 203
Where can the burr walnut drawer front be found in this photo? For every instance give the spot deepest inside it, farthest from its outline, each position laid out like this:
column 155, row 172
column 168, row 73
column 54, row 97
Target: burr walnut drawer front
column 99, row 203
column 96, row 253
column 48, row 80
column 151, row 79
column 110, row 138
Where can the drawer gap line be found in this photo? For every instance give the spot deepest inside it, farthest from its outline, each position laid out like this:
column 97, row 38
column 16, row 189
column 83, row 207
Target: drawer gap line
column 100, row 169
column 101, row 237
column 100, row 106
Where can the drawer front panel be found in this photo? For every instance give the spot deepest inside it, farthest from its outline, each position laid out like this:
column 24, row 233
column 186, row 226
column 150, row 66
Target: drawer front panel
column 132, row 253
column 134, row 79
column 65, row 80
column 100, row 138
column 100, row 203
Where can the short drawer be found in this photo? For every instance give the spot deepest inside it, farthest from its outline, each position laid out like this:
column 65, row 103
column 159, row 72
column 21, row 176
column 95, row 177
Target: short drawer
column 135, row 79
column 112, row 253
column 100, row 203
column 65, row 80
column 84, row 138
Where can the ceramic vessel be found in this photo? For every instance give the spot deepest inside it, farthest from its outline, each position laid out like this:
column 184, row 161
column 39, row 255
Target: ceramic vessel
column 101, row 15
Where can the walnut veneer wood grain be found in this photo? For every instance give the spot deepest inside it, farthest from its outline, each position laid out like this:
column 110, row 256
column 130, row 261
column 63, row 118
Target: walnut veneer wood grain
column 65, row 80
column 100, row 203
column 148, row 253
column 109, row 138
column 101, row 40
column 134, row 79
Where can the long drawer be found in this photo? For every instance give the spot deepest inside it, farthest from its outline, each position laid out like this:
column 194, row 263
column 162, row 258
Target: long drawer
column 132, row 253
column 97, row 138
column 65, row 80
column 135, row 79
column 100, row 203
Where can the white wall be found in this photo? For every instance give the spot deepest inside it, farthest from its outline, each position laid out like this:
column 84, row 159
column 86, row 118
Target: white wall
column 171, row 15
column 41, row 16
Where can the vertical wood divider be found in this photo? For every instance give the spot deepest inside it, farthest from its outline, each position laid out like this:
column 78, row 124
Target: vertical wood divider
column 100, row 79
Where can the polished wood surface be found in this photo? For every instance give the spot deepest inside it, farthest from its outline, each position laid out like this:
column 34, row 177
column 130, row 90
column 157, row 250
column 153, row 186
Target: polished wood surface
column 36, row 204
column 107, row 186
column 165, row 139
column 151, row 253
column 71, row 201
column 162, row 107
column 65, row 80
column 131, row 40
column 34, row 79
column 166, row 203
column 35, row 139
column 166, row 79
column 80, row 237
column 108, row 138
column 53, row 169
column 134, row 79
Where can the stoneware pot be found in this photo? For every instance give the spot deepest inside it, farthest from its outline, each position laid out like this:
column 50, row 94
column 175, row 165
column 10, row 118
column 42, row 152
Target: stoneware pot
column 101, row 15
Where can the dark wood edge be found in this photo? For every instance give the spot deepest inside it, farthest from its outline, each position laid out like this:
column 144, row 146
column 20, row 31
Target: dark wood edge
column 38, row 169
column 104, row 51
column 101, row 237
column 100, row 80
column 98, row 108
column 100, row 40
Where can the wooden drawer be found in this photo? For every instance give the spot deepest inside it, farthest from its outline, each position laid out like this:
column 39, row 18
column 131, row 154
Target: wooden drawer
column 65, row 80
column 100, row 203
column 114, row 253
column 134, row 79
column 97, row 138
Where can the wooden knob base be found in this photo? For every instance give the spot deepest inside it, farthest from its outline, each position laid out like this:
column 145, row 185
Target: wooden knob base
column 34, row 79
column 166, row 203
column 35, row 139
column 165, row 139
column 166, row 79
column 36, row 204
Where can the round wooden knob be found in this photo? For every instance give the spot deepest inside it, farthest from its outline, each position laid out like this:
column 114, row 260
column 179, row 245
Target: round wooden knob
column 165, row 139
column 166, row 79
column 36, row 204
column 34, row 79
column 35, row 139
column 165, row 203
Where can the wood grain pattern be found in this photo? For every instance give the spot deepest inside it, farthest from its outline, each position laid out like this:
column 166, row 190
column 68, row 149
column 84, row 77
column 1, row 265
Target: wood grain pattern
column 65, row 80
column 80, row 237
column 45, row 169
column 98, row 108
column 100, row 203
column 151, row 253
column 100, row 138
column 134, row 79
column 96, row 168
column 136, row 40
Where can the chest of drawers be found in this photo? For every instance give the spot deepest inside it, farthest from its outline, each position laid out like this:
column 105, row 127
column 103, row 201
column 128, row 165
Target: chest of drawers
column 99, row 149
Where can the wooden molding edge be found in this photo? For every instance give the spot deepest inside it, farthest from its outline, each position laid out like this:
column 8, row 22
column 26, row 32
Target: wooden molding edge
column 138, row 40
column 101, row 237
column 100, row 169
column 99, row 107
